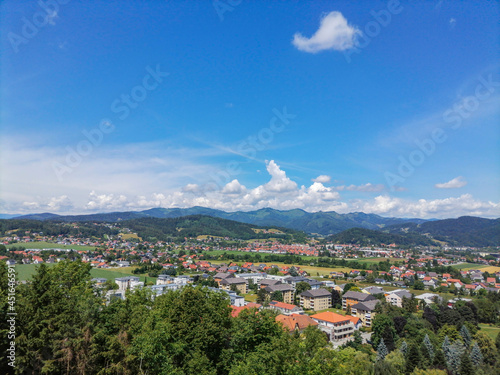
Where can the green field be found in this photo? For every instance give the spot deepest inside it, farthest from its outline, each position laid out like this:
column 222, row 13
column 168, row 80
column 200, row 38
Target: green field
column 25, row 271
column 50, row 245
column 263, row 255
column 377, row 260
column 469, row 266
column 490, row 330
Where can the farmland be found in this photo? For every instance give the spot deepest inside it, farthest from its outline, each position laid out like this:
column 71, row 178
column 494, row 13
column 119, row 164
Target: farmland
column 50, row 245
column 26, row 271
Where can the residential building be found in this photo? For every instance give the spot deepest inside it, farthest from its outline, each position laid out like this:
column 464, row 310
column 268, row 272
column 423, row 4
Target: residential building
column 295, row 322
column 365, row 311
column 128, row 282
column 336, row 326
column 285, row 308
column 395, row 297
column 351, row 298
column 239, row 283
column 316, row 299
column 285, row 289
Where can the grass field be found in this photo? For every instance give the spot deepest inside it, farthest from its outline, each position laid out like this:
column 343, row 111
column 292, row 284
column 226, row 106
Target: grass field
column 50, row 245
column 470, row 266
column 26, row 271
column 263, row 255
column 377, row 260
column 490, row 330
column 313, row 271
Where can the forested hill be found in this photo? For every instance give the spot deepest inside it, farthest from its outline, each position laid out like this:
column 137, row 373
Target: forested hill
column 196, row 225
column 367, row 237
column 324, row 223
column 153, row 228
column 464, row 231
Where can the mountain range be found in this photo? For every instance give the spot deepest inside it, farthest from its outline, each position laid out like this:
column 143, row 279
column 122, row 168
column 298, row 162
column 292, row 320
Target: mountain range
column 463, row 231
column 323, row 223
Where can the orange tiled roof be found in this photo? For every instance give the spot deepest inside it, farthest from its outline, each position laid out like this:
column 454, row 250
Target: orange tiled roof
column 295, row 321
column 330, row 317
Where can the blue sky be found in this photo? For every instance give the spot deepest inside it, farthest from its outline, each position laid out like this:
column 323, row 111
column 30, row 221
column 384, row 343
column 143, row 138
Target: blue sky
column 384, row 107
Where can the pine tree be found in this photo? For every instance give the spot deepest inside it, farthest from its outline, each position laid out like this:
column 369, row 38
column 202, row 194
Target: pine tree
column 413, row 359
column 464, row 332
column 456, row 351
column 403, row 348
column 381, row 350
column 430, row 348
column 476, row 356
column 446, row 350
column 466, row 365
column 439, row 360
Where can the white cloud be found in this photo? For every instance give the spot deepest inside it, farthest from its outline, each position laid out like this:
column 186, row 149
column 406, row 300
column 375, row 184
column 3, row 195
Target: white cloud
column 323, row 179
column 423, row 208
column 452, row 23
column 455, row 183
column 62, row 203
column 334, row 33
column 233, row 187
column 106, row 202
column 279, row 181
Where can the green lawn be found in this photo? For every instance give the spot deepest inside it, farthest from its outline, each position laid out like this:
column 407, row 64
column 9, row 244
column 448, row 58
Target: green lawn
column 26, row 271
column 490, row 330
column 50, row 245
column 377, row 260
column 469, row 266
column 264, row 256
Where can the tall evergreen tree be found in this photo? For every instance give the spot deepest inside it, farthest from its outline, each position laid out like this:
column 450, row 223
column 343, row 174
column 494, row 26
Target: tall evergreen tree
column 413, row 359
column 381, row 350
column 464, row 332
column 404, row 348
column 476, row 356
column 466, row 367
column 429, row 347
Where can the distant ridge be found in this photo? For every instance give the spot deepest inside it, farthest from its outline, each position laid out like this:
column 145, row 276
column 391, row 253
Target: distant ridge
column 323, row 223
column 356, row 227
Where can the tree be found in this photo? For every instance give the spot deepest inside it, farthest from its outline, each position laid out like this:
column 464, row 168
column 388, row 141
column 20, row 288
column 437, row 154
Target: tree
column 464, row 332
column 277, row 296
column 381, row 350
column 403, row 348
column 336, row 299
column 261, row 296
column 299, row 288
column 429, row 348
column 399, row 325
column 379, row 324
column 384, row 368
column 413, row 359
column 487, row 347
column 497, row 341
column 476, row 356
column 466, row 365
column 419, row 285
column 397, row 360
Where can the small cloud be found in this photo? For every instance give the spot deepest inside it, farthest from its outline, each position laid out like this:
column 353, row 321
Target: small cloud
column 456, row 183
column 323, row 179
column 452, row 22
column 334, row 33
column 229, row 105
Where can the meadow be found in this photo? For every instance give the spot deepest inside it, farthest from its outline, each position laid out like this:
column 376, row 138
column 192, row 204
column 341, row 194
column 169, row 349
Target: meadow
column 26, row 271
column 50, row 245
